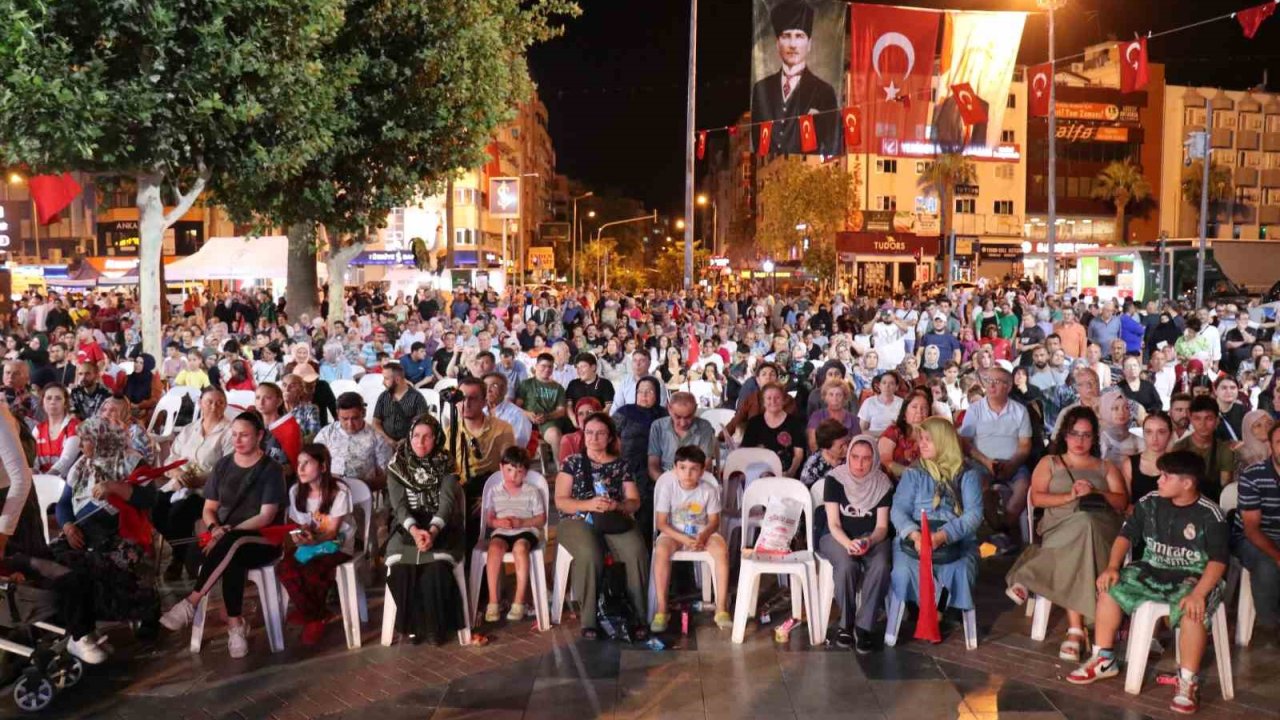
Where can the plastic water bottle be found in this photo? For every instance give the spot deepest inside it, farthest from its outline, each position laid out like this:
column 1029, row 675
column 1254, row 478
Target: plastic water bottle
column 655, row 644
column 699, row 606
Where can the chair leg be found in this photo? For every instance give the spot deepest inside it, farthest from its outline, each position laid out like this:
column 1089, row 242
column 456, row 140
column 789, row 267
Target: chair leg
column 538, row 585
column 561, row 569
column 1030, row 605
column 388, row 618
column 345, row 605
column 653, row 587
column 460, row 576
column 197, row 624
column 714, row 584
column 1040, row 617
column 1246, row 613
column 478, row 560
column 706, row 580
column 1222, row 652
column 970, row 629
column 745, row 606
column 1141, row 627
column 797, row 599
column 269, row 596
column 897, row 608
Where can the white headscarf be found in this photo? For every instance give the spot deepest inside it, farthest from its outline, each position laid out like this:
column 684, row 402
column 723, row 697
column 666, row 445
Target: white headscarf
column 863, row 493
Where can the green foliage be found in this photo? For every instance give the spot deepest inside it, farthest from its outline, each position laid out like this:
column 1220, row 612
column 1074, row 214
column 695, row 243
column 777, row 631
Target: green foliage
column 1220, row 183
column 819, row 197
column 1121, row 184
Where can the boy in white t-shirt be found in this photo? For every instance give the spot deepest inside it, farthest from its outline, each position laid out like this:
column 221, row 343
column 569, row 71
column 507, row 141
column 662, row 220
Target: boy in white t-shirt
column 515, row 520
column 687, row 515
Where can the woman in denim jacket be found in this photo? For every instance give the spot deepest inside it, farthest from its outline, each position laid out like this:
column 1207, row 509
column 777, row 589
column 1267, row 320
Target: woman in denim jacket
column 950, row 494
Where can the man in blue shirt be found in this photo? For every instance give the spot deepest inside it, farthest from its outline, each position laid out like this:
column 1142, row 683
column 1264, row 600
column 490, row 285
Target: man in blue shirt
column 1259, row 548
column 1105, row 327
column 940, row 336
column 416, row 365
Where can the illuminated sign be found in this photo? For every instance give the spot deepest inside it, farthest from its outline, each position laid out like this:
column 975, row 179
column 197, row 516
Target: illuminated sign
column 4, row 229
column 1007, row 152
column 504, row 197
column 1097, row 112
column 1084, row 132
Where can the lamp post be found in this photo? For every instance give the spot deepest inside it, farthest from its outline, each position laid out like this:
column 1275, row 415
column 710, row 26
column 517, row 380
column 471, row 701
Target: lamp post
column 651, row 217
column 577, row 232
column 688, row 142
column 1052, row 231
column 704, row 200
column 769, row 267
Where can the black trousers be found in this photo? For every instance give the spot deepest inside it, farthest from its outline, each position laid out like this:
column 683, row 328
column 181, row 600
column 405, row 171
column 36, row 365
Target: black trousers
column 230, row 560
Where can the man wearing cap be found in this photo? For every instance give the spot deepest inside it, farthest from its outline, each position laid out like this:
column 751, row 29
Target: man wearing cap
column 940, row 337
column 794, row 90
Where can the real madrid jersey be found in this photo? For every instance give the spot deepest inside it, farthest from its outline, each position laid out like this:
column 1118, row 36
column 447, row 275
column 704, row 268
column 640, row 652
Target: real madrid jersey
column 1179, row 541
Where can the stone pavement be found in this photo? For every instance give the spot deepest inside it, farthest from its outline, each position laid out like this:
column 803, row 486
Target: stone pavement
column 523, row 674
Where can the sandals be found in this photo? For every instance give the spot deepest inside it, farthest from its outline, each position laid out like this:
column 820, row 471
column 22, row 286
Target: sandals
column 1018, row 594
column 1073, row 649
column 478, row 640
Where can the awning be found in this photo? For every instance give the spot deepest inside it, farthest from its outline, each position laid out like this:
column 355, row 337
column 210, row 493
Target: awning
column 234, row 258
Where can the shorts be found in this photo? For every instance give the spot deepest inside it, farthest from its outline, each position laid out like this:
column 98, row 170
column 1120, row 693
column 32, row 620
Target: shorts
column 1138, row 583
column 529, row 537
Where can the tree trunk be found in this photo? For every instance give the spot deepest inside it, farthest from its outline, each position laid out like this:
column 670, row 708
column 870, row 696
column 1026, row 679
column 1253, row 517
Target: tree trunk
column 300, row 293
column 947, row 221
column 1122, row 237
column 151, row 224
column 338, row 261
column 448, row 230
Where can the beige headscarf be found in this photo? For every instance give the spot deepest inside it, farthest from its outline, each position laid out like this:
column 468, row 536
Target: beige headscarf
column 863, row 493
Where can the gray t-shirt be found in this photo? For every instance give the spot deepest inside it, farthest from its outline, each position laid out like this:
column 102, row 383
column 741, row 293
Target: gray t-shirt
column 228, row 481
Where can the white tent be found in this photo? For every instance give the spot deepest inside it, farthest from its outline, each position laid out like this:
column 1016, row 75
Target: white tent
column 234, row 258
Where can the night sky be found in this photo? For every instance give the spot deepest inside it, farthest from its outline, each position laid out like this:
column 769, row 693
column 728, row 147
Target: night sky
column 614, row 84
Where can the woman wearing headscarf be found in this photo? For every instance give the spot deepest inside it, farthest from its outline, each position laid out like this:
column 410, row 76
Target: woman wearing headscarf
column 1164, row 333
column 1254, row 447
column 142, row 386
column 950, row 495
column 633, row 423
column 856, row 498
column 429, row 538
column 1115, row 416
column 1083, row 497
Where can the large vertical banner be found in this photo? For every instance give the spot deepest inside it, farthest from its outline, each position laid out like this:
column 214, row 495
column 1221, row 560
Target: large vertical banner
column 891, row 68
column 979, row 51
column 797, row 73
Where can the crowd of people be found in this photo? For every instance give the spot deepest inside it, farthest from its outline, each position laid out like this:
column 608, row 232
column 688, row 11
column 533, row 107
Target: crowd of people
column 1091, row 440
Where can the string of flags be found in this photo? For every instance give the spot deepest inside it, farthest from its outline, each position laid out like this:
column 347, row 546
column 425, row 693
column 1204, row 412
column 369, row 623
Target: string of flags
column 1134, row 77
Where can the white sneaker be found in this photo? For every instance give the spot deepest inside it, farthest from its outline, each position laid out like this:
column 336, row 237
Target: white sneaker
column 178, row 616
column 238, row 639
column 87, row 650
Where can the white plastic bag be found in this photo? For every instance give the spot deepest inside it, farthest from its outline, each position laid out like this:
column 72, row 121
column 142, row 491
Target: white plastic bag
column 781, row 520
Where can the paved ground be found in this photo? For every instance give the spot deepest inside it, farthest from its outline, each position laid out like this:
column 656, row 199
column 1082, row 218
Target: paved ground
column 530, row 675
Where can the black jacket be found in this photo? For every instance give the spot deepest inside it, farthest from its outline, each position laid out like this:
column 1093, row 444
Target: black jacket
column 810, row 95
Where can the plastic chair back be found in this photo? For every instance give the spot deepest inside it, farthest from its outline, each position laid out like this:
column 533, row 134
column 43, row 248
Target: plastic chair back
column 1230, row 498
column 739, row 459
column 758, row 494
column 445, row 383
column 240, row 399
column 432, row 397
column 48, row 492
column 370, row 396
column 341, row 386
column 361, row 499
column 670, row 477
column 718, row 417
column 486, row 501
column 369, row 381
column 169, row 404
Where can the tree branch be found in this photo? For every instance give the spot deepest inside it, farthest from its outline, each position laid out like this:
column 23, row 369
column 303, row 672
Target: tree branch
column 187, row 199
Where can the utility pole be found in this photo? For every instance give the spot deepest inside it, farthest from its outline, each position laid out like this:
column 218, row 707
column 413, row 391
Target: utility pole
column 1052, row 231
column 1204, row 203
column 688, row 145
column 574, row 232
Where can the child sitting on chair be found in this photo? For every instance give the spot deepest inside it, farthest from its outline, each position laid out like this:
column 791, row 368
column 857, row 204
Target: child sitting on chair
column 1184, row 559
column 516, row 516
column 687, row 515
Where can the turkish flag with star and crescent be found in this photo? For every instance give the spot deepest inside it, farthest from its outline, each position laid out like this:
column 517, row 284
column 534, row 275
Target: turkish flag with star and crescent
column 808, row 135
column 1039, row 80
column 851, row 121
column 1133, row 65
column 971, row 110
column 892, row 68
column 765, row 139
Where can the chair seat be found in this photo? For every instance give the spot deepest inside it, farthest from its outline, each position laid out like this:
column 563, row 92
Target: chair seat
column 1142, row 627
column 898, row 608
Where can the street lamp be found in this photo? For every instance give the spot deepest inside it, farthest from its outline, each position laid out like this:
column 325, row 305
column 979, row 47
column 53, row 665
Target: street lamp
column 577, row 232
column 769, row 267
column 680, row 224
column 1052, row 270
column 705, row 200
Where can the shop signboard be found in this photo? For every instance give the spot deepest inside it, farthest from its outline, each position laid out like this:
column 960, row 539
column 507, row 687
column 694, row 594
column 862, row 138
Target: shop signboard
column 876, row 243
column 384, row 257
column 1098, row 112
column 1088, row 132
column 928, row 224
column 504, row 197
column 1000, row 253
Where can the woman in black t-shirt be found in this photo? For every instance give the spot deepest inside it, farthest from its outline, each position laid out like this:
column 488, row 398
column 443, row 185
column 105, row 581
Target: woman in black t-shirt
column 244, row 494
column 778, row 430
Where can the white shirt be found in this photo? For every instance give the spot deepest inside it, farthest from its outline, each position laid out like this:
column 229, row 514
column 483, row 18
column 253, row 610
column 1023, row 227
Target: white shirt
column 16, row 476
column 1211, row 334
column 340, row 510
column 878, row 415
column 1165, row 381
column 520, row 423
column 889, row 341
column 406, row 340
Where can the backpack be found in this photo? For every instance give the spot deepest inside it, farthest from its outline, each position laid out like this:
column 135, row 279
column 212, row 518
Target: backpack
column 616, row 618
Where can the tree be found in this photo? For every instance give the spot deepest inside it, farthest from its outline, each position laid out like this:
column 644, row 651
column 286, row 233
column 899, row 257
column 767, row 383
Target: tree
column 1121, row 184
column 175, row 94
column 799, row 200
column 1220, row 185
column 942, row 176
column 432, row 81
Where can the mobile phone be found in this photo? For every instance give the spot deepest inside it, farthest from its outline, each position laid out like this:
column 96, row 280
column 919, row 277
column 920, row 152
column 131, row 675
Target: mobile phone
column 295, row 533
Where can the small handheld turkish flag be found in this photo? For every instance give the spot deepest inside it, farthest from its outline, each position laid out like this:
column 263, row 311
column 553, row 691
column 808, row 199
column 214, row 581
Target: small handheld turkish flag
column 851, row 121
column 702, row 143
column 927, row 623
column 1251, row 18
column 52, row 193
column 1039, row 80
column 808, row 136
column 1133, row 65
column 972, row 111
column 766, row 138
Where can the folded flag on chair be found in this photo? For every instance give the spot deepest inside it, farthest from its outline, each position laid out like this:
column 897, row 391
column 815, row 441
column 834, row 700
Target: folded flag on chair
column 135, row 524
column 927, row 622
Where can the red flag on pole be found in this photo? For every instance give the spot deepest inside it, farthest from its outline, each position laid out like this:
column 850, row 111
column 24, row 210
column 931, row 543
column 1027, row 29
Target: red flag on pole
column 1251, row 18
column 927, row 623
column 51, row 194
column 1039, row 80
column 851, row 121
column 892, row 69
column 808, row 136
column 702, row 143
column 971, row 110
column 1133, row 65
column 766, row 138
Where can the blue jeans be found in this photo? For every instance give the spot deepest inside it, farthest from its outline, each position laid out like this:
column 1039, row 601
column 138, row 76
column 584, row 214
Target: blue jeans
column 1264, row 579
column 1013, row 493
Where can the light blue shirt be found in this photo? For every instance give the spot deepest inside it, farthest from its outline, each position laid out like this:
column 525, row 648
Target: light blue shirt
column 520, row 424
column 996, row 435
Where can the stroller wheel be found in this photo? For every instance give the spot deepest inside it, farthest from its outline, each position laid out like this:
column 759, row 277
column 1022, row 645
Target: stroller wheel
column 32, row 693
column 65, row 672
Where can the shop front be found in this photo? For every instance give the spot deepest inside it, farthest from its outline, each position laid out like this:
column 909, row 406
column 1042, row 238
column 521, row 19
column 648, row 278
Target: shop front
column 884, row 263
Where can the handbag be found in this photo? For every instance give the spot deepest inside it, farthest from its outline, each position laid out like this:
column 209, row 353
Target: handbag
column 306, row 553
column 612, row 522
column 1093, row 502
column 943, row 555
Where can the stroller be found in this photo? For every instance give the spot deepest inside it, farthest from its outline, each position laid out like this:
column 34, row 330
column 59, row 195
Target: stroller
column 33, row 652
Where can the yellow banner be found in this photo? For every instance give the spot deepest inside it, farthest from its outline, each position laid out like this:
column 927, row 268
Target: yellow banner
column 981, row 49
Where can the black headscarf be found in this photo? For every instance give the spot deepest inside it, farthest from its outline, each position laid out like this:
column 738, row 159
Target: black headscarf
column 137, row 386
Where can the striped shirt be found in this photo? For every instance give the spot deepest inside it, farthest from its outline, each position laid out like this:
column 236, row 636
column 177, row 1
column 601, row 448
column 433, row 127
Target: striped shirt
column 1260, row 490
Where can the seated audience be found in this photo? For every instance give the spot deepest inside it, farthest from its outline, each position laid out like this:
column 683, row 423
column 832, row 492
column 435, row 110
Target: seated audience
column 516, row 516
column 687, row 517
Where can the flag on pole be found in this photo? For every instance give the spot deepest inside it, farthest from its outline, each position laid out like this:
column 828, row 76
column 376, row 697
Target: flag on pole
column 1134, row 73
column 808, row 136
column 51, row 194
column 851, row 121
column 972, row 109
column 891, row 67
column 766, row 138
column 927, row 623
column 702, row 143
column 1040, row 79
column 1251, row 18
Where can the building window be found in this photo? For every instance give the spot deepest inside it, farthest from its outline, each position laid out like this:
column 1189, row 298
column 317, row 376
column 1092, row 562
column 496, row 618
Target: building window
column 1194, row 116
column 966, row 206
column 464, row 236
column 1004, row 171
column 885, row 202
column 1251, row 121
column 1007, row 136
column 1012, row 102
column 923, row 166
column 887, row 167
column 1003, row 207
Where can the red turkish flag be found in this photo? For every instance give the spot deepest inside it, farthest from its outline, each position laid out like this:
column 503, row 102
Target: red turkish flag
column 1251, row 18
column 892, row 68
column 927, row 622
column 851, row 121
column 971, row 110
column 766, row 138
column 1133, row 65
column 51, row 194
column 702, row 143
column 808, row 136
column 1039, row 81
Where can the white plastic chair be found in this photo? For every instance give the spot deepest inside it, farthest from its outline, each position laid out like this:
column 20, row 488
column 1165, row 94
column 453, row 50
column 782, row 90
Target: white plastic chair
column 898, row 608
column 718, row 417
column 349, row 588
column 270, row 596
column 49, row 490
column 459, row 577
column 170, row 403
column 1246, row 613
column 707, row 561
column 240, row 399
column 370, row 381
column 1038, row 607
column 739, row 461
column 825, row 570
column 341, row 386
column 432, row 398
column 537, row 558
column 1143, row 626
column 446, row 383
column 370, row 396
column 560, row 590
column 798, row 565
column 357, row 372
column 126, row 366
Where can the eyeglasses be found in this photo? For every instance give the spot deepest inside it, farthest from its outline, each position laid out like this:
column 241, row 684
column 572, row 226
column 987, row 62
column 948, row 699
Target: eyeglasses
column 1078, row 435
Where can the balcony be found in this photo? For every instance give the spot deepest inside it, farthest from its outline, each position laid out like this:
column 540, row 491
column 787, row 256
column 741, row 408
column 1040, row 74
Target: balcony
column 1271, row 178
column 1269, row 215
column 1246, row 177
column 1247, row 140
column 1271, row 142
column 1221, row 138
column 988, row 224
